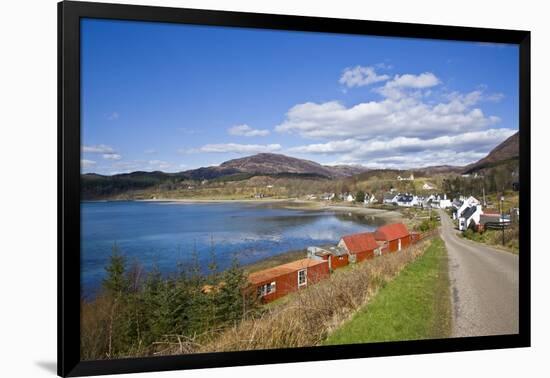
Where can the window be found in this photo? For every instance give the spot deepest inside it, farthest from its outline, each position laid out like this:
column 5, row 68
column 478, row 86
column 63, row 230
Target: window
column 267, row 289
column 302, row 277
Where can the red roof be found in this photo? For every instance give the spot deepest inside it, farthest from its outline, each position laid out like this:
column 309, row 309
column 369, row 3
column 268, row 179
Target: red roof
column 294, row 266
column 391, row 232
column 357, row 243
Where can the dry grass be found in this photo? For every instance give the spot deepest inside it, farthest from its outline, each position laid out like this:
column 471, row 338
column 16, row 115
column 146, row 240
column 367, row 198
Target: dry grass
column 309, row 316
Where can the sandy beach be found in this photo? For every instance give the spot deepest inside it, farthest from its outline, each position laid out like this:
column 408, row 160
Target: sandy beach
column 293, row 204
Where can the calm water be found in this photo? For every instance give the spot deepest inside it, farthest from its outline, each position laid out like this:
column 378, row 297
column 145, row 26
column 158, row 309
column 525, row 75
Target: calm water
column 165, row 234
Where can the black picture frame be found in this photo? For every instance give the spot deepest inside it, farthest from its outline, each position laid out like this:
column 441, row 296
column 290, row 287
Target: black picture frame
column 69, row 150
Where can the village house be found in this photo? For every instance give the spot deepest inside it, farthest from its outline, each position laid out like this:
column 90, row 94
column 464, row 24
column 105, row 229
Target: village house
column 437, row 201
column 489, row 220
column 349, row 197
column 395, row 236
column 469, row 217
column 444, row 203
column 337, row 257
column 360, row 246
column 369, row 199
column 390, row 198
column 494, row 219
column 407, row 200
column 410, row 178
column 466, row 203
column 428, row 186
column 327, row 196
column 273, row 283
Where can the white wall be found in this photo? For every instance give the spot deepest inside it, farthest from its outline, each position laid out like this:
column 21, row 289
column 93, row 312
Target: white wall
column 28, row 207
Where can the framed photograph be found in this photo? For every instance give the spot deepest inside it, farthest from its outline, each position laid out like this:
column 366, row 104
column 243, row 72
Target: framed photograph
column 239, row 188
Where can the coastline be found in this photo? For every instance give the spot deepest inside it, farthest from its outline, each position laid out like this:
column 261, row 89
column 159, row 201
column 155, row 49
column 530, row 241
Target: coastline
column 291, row 204
column 285, row 203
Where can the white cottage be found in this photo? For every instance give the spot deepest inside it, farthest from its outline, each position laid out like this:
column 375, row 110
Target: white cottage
column 471, row 216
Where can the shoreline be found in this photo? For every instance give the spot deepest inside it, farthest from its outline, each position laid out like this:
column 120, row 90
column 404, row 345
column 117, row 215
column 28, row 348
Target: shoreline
column 285, row 203
column 385, row 216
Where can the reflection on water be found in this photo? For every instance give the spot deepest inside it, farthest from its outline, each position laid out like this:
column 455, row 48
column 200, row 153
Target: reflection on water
column 165, row 234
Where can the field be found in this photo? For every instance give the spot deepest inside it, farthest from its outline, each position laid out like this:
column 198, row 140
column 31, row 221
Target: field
column 415, row 305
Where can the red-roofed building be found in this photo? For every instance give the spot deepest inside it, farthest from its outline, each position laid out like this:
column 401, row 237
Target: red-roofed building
column 395, row 235
column 360, row 246
column 270, row 284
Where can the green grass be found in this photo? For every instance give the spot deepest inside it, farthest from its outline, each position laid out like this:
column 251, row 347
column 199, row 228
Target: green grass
column 415, row 305
column 493, row 238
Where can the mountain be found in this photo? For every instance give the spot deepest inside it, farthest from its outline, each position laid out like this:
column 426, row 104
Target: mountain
column 264, row 164
column 267, row 163
column 506, row 151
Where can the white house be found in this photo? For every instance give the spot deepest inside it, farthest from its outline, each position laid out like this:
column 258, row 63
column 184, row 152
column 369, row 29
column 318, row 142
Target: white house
column 407, row 200
column 440, row 201
column 410, row 178
column 466, row 203
column 349, row 198
column 390, row 198
column 469, row 216
column 427, row 186
column 444, row 203
column 327, row 196
column 369, row 198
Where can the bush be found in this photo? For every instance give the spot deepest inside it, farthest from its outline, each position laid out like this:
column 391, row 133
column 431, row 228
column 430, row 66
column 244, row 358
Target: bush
column 134, row 320
column 427, row 225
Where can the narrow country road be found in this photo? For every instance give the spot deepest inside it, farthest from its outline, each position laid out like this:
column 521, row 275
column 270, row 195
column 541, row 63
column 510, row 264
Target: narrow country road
column 484, row 285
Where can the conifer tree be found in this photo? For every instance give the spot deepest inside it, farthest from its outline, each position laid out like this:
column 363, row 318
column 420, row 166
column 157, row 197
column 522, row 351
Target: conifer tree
column 116, row 282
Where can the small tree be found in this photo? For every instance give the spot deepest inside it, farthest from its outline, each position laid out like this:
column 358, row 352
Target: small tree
column 360, row 196
column 116, row 281
column 233, row 303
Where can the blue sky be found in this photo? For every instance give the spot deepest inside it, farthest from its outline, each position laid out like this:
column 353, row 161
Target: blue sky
column 174, row 97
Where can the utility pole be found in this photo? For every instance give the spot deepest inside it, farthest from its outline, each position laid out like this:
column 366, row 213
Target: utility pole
column 502, row 217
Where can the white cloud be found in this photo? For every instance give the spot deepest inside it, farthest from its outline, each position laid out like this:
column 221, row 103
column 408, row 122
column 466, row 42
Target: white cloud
column 112, row 157
column 150, row 151
column 98, row 149
column 424, row 80
column 117, row 167
column 419, row 160
column 458, row 149
column 247, row 131
column 401, row 85
column 360, row 76
column 495, row 97
column 84, row 163
column 402, row 111
column 237, row 148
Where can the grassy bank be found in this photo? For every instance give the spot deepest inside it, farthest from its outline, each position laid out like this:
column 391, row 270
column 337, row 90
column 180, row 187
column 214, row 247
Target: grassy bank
column 415, row 305
column 307, row 316
column 493, row 238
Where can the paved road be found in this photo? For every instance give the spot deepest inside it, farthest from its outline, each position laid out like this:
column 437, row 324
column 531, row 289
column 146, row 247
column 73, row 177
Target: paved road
column 484, row 285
